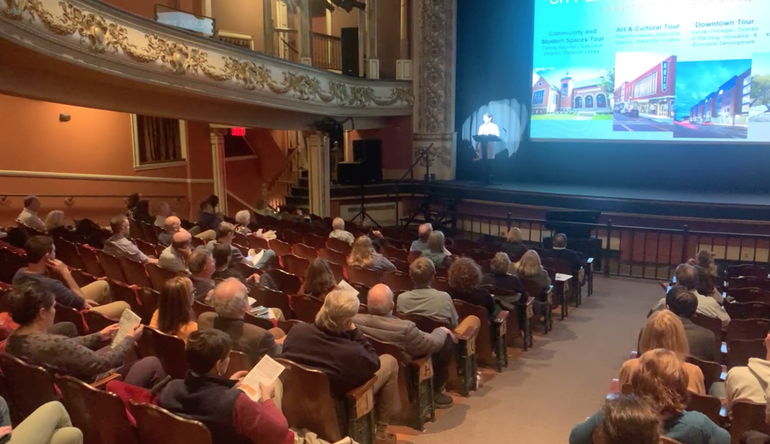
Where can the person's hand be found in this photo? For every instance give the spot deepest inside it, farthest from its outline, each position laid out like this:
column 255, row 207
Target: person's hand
column 377, row 234
column 450, row 333
column 239, row 375
column 108, row 333
column 352, row 327
column 280, row 340
column 91, row 304
column 267, row 391
column 253, row 278
column 57, row 266
column 136, row 332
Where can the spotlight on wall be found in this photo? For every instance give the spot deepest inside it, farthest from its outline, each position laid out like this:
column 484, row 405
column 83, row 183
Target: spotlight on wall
column 65, row 117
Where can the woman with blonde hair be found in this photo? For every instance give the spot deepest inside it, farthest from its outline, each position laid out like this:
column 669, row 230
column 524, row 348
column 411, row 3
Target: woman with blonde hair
column 514, row 245
column 529, row 268
column 319, row 279
column 363, row 255
column 661, row 380
column 436, row 251
column 174, row 315
column 665, row 330
column 55, row 225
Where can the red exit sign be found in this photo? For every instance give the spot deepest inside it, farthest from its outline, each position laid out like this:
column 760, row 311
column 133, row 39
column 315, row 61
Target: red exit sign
column 238, row 131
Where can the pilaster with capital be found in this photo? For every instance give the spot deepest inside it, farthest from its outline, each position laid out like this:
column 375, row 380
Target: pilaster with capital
column 435, row 35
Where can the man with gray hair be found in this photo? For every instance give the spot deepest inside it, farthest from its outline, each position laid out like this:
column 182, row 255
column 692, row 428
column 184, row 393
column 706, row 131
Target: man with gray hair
column 338, row 224
column 687, row 276
column 230, row 300
column 28, row 216
column 425, row 300
column 333, row 345
column 381, row 325
column 423, row 233
column 226, row 235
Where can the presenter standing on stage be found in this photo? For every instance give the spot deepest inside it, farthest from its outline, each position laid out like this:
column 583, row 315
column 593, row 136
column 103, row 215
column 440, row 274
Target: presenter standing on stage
column 488, row 128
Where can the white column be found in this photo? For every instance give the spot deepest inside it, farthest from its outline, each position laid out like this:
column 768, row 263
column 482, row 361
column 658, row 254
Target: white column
column 267, row 24
column 218, row 167
column 361, row 41
column 206, row 8
column 282, row 21
column 305, row 29
column 404, row 63
column 319, row 174
column 372, row 58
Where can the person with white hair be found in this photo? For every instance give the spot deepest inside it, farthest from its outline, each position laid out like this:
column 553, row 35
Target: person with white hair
column 347, row 357
column 423, row 233
column 230, row 300
column 339, row 232
column 172, row 224
column 161, row 213
column 381, row 325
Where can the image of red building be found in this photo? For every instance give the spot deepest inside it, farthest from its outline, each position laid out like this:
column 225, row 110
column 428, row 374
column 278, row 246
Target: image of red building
column 583, row 96
column 651, row 93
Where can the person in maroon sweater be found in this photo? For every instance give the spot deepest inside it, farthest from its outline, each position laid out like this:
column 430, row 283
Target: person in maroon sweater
column 205, row 396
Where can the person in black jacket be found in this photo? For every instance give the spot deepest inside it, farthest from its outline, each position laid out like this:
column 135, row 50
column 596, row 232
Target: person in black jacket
column 513, row 245
column 703, row 343
column 500, row 278
column 560, row 251
column 333, row 345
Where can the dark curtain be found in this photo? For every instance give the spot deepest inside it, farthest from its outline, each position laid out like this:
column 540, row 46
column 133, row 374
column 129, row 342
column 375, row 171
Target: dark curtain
column 159, row 139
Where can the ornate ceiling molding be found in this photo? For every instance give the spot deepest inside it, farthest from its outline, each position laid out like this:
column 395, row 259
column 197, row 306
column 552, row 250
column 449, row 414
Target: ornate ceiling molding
column 111, row 39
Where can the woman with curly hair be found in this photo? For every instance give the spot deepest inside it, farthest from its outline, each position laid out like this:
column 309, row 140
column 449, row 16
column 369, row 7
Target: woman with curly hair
column 363, row 255
column 319, row 279
column 661, row 380
column 465, row 283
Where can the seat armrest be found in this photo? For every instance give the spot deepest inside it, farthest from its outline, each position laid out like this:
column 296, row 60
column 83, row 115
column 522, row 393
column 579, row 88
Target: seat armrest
column 102, row 383
column 467, row 334
column 361, row 399
column 361, row 390
column 502, row 316
column 530, row 300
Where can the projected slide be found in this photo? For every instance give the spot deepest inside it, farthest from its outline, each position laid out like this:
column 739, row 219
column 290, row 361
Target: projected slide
column 651, row 70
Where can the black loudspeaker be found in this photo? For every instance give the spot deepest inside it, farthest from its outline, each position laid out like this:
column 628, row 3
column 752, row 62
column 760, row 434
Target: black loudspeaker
column 349, row 49
column 369, row 153
column 351, row 173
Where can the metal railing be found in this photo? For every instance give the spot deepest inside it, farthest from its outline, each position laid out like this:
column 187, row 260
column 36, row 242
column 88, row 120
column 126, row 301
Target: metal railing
column 325, row 50
column 630, row 251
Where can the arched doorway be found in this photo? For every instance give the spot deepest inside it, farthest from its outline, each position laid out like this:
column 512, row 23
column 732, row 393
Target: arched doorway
column 589, row 101
column 601, row 101
column 578, row 102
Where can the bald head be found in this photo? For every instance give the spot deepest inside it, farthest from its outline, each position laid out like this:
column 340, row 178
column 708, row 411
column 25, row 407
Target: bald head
column 424, row 232
column 380, row 300
column 338, row 223
column 230, row 299
column 173, row 224
column 181, row 240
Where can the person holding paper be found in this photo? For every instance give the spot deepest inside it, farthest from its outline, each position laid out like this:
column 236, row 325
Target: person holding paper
column 207, row 396
column 87, row 358
column 174, row 315
column 225, row 235
column 333, row 345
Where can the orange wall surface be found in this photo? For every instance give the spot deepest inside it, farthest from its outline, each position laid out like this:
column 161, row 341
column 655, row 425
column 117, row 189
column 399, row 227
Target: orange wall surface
column 146, row 8
column 396, row 138
column 92, row 142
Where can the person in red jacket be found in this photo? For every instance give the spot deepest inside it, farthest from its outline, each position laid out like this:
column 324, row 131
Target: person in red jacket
column 205, row 396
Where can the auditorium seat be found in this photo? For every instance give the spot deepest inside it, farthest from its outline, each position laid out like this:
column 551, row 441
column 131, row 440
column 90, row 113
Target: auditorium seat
column 333, row 256
column 96, row 321
column 29, row 386
column 295, row 264
column 561, row 266
column 111, row 266
column 748, row 310
column 134, row 272
column 542, row 303
column 291, row 237
column 398, row 281
column 158, row 276
column 260, row 322
column 740, row 350
column 239, row 361
column 364, row 276
column 309, row 404
column 491, row 338
column 736, row 271
column 69, row 314
column 286, row 282
column 306, row 307
column 712, row 371
column 155, row 425
column 748, row 282
column 314, row 241
column 257, row 243
column 169, row 349
column 746, row 417
column 413, row 256
column 280, row 248
column 199, row 308
column 288, row 324
column 394, row 253
column 90, row 260
column 304, row 251
column 128, row 294
column 100, row 415
column 148, row 298
column 147, row 248
column 363, row 291
column 441, row 284
column 338, row 271
column 708, row 405
column 748, row 294
column 748, row 329
column 338, row 245
column 67, row 252
column 274, row 299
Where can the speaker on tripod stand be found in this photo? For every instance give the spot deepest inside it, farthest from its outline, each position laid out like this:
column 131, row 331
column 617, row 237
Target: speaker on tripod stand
column 369, row 153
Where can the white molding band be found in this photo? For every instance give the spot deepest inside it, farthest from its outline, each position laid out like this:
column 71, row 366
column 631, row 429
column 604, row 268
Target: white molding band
column 99, row 177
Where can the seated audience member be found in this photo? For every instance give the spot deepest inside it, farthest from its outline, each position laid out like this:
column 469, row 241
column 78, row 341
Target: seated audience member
column 560, row 251
column 48, row 424
column 706, row 285
column 202, row 268
column 231, row 303
column 338, row 225
column 629, row 419
column 661, row 379
column 529, row 268
column 687, row 275
column 701, row 341
column 225, row 235
column 85, row 357
column 705, row 259
column 172, row 225
column 291, row 213
column 664, row 330
column 120, row 246
column 243, row 219
column 348, row 359
column 500, row 278
column 208, row 221
column 174, row 315
column 423, row 234
column 142, row 214
column 380, row 324
column 363, row 255
column 319, row 279
column 750, row 383
column 55, row 224
column 205, row 396
column 424, row 300
column 263, row 209
column 214, row 201
column 28, row 216
column 465, row 284
column 174, row 257
column 162, row 212
column 225, row 269
column 41, row 254
column 514, row 245
column 131, row 202
column 436, row 250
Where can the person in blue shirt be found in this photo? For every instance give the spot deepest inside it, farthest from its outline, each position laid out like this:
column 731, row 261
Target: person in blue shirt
column 661, row 380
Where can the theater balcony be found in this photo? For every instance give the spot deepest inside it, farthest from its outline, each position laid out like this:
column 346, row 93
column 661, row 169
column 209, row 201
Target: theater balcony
column 115, row 56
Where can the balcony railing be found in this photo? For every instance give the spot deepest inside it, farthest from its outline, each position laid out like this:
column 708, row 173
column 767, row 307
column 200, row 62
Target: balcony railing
column 325, row 50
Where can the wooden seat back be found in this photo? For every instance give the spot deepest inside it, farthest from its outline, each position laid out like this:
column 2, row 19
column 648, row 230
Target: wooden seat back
column 257, row 321
column 287, row 282
column 239, row 361
column 288, row 324
column 747, row 417
column 167, row 348
column 484, row 338
column 370, row 278
column 69, row 314
column 274, row 299
column 67, row 252
column 403, row 266
column 135, row 229
column 748, row 310
column 398, row 281
column 134, row 272
column 90, row 260
column 158, row 276
column 338, row 245
column 441, row 284
column 413, row 256
column 147, row 248
column 746, row 294
column 337, row 270
column 292, row 237
column 747, row 329
column 739, row 351
column 100, row 415
column 762, row 283
column 708, row 405
column 111, row 266
column 363, row 291
column 149, row 232
column 314, row 241
column 295, row 264
column 712, row 324
column 149, row 298
column 333, row 256
column 155, row 425
column 304, row 251
column 201, row 307
column 29, row 386
column 395, row 253
column 96, row 321
column 257, row 243
column 306, row 307
column 712, row 371
column 128, row 294
column 280, row 247
column 735, row 271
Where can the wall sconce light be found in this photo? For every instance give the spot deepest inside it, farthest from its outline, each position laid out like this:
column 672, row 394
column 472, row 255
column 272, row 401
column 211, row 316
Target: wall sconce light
column 65, row 117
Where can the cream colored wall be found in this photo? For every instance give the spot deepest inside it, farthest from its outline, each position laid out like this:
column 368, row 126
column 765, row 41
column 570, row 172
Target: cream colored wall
column 241, row 17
